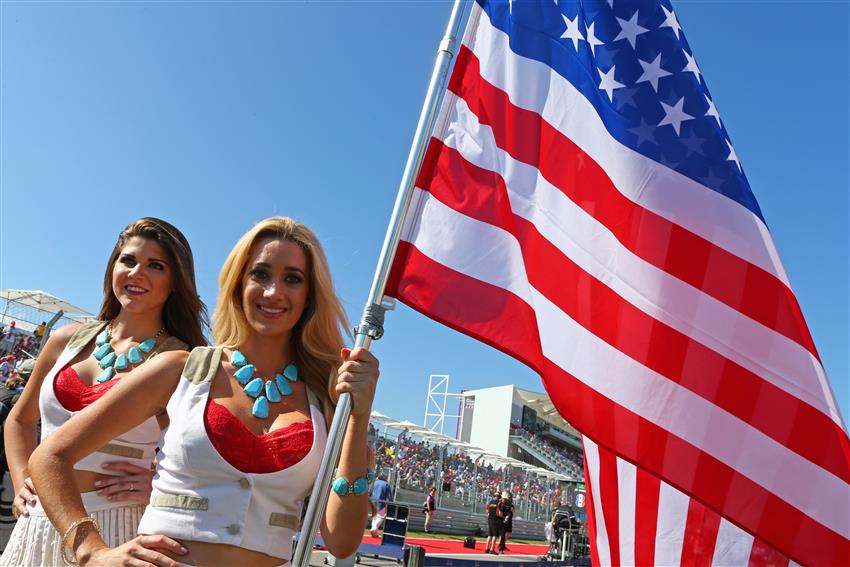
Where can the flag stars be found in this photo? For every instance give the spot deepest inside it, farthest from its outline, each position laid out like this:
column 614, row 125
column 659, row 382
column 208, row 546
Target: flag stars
column 645, row 132
column 671, row 21
column 592, row 40
column 674, row 115
column 733, row 156
column 652, row 72
column 572, row 32
column 629, row 30
column 607, row 83
column 693, row 143
column 691, row 66
column 712, row 111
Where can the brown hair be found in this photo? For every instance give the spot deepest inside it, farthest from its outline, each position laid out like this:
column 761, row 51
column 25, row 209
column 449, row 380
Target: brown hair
column 317, row 337
column 184, row 314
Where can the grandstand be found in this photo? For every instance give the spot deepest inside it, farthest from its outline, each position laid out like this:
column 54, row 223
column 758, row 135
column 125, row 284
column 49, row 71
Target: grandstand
column 515, row 443
column 522, row 425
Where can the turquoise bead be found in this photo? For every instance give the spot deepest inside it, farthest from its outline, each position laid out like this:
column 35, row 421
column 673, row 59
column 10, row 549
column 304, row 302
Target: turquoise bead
column 360, row 486
column 261, row 408
column 341, row 486
column 147, row 344
column 107, row 360
column 106, row 375
column 102, row 338
column 121, row 362
column 244, row 374
column 272, row 393
column 283, row 385
column 291, row 372
column 238, row 359
column 135, row 355
column 102, row 351
column 254, row 387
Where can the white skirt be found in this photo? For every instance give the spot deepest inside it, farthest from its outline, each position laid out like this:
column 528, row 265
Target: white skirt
column 35, row 543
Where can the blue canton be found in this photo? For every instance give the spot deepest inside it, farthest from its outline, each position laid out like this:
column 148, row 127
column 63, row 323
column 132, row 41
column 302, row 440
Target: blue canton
column 631, row 60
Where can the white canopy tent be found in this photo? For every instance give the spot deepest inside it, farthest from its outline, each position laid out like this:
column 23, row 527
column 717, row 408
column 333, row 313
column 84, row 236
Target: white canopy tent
column 29, row 308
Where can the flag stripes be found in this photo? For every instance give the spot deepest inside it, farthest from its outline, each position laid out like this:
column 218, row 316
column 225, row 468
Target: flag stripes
column 482, row 194
column 674, row 530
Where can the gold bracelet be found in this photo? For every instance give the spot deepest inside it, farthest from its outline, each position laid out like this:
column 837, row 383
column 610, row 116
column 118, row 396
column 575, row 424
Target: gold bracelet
column 72, row 527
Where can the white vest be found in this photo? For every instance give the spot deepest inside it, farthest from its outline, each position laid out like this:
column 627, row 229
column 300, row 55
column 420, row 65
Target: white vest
column 198, row 496
column 137, row 446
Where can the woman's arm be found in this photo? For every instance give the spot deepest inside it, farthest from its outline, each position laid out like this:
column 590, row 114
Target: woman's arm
column 345, row 516
column 141, row 394
column 20, row 430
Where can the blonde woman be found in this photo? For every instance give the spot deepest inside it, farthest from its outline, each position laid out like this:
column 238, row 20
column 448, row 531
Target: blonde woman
column 248, row 421
column 150, row 306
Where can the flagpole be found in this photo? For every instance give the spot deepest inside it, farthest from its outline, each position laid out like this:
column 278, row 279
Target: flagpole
column 371, row 321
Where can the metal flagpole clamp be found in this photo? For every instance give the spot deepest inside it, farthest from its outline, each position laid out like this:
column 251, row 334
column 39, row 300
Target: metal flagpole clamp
column 372, row 319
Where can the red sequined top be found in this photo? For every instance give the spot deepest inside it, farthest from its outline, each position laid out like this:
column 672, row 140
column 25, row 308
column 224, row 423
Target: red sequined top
column 73, row 394
column 251, row 453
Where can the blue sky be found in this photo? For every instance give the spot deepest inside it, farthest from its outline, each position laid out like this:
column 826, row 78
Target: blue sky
column 214, row 115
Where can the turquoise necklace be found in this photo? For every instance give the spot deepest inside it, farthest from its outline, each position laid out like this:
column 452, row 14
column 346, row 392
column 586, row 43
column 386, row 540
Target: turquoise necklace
column 264, row 391
column 110, row 361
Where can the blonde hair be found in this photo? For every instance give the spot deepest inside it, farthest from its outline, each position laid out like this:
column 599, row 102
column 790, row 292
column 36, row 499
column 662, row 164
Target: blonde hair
column 317, row 337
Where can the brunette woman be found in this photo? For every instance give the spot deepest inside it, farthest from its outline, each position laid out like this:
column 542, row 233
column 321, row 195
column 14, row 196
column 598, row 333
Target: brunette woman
column 150, row 307
column 247, row 421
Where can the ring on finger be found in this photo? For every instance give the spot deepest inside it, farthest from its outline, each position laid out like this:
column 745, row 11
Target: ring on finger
column 132, row 487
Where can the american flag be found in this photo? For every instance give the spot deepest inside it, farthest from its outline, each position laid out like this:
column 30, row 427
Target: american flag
column 581, row 207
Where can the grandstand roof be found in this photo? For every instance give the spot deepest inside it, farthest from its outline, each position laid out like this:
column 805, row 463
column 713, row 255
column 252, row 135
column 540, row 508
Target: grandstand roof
column 542, row 404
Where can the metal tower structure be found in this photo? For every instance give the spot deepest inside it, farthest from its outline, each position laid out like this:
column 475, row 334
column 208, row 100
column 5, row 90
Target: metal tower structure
column 435, row 404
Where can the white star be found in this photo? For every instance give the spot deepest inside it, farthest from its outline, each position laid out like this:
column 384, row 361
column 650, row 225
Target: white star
column 671, row 22
column 573, row 32
column 733, row 156
column 712, row 111
column 691, row 66
column 652, row 72
column 592, row 40
column 608, row 84
column 610, row 3
column 629, row 30
column 674, row 115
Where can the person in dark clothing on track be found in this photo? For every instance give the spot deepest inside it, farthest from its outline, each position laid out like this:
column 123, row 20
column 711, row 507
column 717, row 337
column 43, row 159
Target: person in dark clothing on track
column 507, row 508
column 494, row 523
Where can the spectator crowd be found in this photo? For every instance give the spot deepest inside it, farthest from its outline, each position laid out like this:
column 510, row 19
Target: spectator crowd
column 417, row 464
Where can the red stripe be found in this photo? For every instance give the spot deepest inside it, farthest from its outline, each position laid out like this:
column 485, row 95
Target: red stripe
column 762, row 555
column 482, row 195
column 701, row 529
column 679, row 252
column 647, row 490
column 591, row 519
column 499, row 318
column 610, row 499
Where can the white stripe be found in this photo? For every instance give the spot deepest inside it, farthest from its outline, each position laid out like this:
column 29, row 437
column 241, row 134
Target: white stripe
column 733, row 545
column 771, row 355
column 492, row 255
column 591, row 457
column 627, row 494
column 670, row 530
column 660, row 189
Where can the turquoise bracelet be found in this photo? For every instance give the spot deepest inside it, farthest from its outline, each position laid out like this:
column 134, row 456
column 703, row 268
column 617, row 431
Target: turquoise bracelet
column 357, row 488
